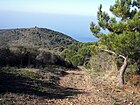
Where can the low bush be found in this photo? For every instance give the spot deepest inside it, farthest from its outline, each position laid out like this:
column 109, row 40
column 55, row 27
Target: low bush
column 29, row 57
column 78, row 53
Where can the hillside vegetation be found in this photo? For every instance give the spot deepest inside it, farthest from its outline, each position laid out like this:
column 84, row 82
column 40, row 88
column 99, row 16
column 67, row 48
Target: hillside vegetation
column 31, row 66
column 35, row 37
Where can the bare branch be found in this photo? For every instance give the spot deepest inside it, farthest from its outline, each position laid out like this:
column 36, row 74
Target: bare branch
column 121, row 56
column 109, row 51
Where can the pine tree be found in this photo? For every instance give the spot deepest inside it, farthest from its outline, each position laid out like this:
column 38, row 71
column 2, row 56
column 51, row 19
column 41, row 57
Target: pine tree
column 123, row 37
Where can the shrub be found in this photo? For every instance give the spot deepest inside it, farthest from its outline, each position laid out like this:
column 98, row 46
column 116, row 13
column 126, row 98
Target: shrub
column 77, row 60
column 29, row 57
column 78, row 53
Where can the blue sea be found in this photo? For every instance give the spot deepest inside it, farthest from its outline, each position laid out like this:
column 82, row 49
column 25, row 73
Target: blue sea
column 72, row 25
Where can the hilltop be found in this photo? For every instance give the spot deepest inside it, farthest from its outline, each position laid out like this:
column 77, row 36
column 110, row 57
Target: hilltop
column 35, row 37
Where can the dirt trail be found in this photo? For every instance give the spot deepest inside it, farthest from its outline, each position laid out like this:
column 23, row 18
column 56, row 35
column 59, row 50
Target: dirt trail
column 61, row 87
column 90, row 93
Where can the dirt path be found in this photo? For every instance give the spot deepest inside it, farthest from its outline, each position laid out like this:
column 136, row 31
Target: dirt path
column 90, row 93
column 61, row 87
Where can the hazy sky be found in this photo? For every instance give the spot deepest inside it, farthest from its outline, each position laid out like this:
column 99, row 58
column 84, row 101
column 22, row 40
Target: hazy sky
column 69, row 16
column 73, row 7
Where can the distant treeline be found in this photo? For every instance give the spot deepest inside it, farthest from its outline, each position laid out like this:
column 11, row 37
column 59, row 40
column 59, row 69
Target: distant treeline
column 29, row 57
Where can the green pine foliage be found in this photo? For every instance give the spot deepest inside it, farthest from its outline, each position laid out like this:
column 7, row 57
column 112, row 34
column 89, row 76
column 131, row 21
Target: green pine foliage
column 123, row 29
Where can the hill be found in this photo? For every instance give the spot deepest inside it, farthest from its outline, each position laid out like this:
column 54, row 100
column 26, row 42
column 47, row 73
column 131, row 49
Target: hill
column 35, row 37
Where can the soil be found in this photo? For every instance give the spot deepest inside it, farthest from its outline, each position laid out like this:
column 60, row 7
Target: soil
column 73, row 87
column 90, row 94
column 95, row 91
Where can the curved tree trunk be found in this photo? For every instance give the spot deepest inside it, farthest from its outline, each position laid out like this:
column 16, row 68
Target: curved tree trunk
column 122, row 71
column 123, row 67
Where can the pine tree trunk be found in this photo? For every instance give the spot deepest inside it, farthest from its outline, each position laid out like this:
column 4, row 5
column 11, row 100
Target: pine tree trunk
column 123, row 67
column 122, row 71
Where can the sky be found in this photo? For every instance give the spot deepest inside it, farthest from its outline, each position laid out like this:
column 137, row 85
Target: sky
column 71, row 17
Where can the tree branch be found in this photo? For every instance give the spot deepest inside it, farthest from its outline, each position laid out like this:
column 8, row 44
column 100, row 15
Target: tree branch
column 109, row 51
